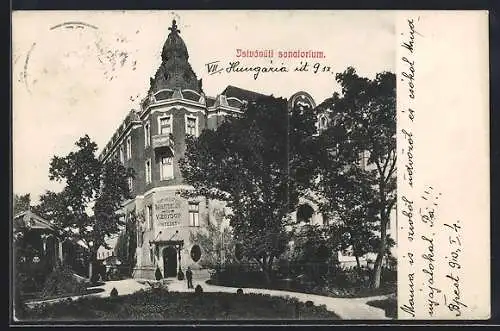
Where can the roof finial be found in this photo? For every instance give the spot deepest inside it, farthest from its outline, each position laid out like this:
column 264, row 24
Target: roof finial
column 173, row 28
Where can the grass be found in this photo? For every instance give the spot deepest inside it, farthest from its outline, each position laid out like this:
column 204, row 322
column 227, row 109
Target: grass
column 162, row 305
column 330, row 291
column 37, row 296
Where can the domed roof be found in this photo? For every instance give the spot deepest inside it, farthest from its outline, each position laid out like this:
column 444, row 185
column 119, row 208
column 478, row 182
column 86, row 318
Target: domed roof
column 174, row 45
column 175, row 72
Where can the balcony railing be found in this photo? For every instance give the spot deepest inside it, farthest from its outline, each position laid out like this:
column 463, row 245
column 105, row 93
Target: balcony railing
column 162, row 140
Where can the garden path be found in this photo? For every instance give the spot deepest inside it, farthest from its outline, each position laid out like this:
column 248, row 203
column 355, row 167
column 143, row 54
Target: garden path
column 346, row 308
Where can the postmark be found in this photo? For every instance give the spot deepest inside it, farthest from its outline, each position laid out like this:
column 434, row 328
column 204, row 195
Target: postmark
column 67, row 50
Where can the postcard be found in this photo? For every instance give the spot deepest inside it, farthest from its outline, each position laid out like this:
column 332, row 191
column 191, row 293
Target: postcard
column 204, row 166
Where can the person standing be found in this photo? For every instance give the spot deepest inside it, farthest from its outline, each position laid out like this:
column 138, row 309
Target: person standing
column 189, row 277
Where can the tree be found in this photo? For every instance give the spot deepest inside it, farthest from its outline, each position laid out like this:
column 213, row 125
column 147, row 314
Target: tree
column 312, row 249
column 347, row 194
column 87, row 207
column 246, row 163
column 363, row 122
column 216, row 242
column 127, row 243
column 21, row 203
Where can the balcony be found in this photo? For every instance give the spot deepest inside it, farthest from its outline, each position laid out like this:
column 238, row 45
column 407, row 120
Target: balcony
column 162, row 140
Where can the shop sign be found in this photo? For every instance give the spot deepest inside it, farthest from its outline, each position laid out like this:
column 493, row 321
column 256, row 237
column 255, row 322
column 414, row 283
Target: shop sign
column 168, row 212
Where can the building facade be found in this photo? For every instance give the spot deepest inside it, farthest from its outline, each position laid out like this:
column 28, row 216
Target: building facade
column 43, row 239
column 308, row 213
column 151, row 140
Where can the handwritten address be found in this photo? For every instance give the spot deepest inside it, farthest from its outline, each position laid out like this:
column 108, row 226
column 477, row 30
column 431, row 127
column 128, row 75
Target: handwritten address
column 409, row 207
column 433, row 267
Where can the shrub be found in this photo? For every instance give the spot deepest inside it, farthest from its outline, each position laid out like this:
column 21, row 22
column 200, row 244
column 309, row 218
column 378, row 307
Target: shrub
column 389, row 305
column 114, row 292
column 158, row 274
column 239, row 291
column 95, row 278
column 309, row 304
column 198, row 289
column 180, row 275
column 179, row 306
column 237, row 275
column 342, row 278
column 62, row 282
column 389, row 275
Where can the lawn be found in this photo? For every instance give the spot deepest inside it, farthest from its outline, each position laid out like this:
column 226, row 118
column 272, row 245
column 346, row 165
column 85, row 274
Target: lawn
column 163, row 305
column 37, row 296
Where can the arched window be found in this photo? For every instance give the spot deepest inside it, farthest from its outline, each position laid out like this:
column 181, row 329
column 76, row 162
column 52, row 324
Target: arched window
column 323, row 122
column 305, row 213
column 195, row 253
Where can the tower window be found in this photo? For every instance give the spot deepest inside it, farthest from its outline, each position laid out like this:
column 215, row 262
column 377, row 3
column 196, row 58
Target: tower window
column 167, row 168
column 191, row 126
column 194, row 213
column 165, row 125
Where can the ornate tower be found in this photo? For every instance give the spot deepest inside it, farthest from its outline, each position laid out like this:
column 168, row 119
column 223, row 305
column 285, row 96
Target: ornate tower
column 175, row 72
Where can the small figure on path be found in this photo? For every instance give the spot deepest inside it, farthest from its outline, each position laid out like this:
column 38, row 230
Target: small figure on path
column 189, row 277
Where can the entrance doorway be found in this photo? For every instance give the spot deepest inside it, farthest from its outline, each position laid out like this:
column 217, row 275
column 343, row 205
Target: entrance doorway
column 169, row 261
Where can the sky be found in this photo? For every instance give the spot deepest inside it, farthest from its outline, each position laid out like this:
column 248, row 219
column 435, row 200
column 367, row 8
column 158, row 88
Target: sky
column 77, row 73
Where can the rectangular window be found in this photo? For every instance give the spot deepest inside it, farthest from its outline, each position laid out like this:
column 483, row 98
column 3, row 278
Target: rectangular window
column 139, row 233
column 362, row 159
column 122, row 158
column 148, row 171
column 165, row 125
column 194, row 213
column 129, row 148
column 167, row 168
column 147, row 135
column 130, row 182
column 150, row 216
column 191, row 127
